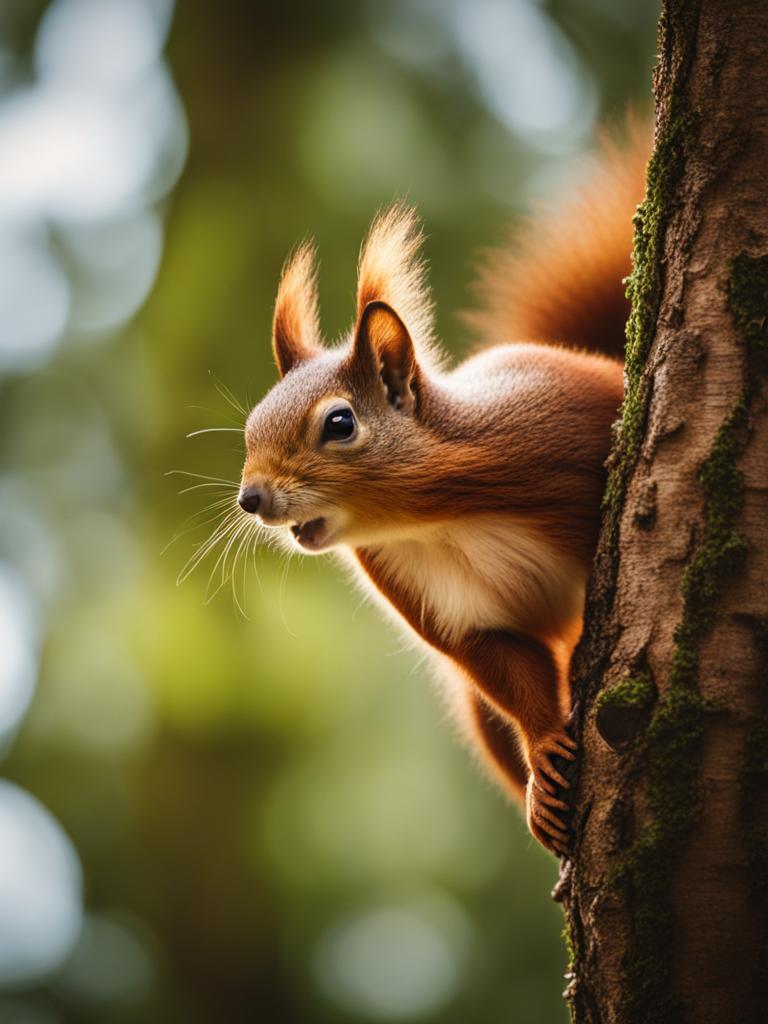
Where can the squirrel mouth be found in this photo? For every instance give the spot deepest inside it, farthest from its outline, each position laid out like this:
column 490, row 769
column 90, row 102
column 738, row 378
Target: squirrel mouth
column 312, row 534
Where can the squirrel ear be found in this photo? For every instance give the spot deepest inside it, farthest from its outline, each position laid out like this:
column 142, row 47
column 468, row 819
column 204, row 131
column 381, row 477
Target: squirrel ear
column 296, row 324
column 383, row 340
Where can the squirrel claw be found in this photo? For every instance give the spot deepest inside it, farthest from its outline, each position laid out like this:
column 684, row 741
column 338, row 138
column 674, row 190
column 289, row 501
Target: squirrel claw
column 545, row 823
column 544, row 796
column 546, row 815
column 546, row 826
column 540, row 757
column 543, row 806
column 547, row 800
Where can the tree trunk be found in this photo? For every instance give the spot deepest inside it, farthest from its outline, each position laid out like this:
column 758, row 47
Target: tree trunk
column 667, row 896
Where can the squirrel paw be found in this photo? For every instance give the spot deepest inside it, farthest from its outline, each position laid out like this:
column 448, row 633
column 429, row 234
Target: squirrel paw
column 545, row 823
column 542, row 805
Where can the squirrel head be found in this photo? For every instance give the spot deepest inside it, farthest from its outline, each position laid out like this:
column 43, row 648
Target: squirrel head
column 328, row 446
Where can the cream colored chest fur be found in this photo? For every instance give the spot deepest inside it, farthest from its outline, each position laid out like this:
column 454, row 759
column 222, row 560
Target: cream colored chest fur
column 487, row 572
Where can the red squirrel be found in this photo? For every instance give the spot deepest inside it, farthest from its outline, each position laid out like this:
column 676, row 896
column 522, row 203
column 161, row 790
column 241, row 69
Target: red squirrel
column 468, row 499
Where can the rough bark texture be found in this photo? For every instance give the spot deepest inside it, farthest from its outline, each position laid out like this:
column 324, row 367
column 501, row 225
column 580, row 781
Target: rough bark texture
column 667, row 901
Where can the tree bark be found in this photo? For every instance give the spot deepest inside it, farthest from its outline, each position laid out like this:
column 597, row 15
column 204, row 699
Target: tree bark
column 667, row 895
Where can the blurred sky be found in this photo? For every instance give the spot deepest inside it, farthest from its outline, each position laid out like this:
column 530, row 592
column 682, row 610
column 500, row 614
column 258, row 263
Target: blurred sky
column 245, row 803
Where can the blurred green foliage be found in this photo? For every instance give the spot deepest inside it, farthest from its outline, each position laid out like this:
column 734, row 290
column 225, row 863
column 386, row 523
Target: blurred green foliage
column 272, row 811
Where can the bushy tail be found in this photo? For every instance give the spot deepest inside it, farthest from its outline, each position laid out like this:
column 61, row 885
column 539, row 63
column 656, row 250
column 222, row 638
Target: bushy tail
column 560, row 278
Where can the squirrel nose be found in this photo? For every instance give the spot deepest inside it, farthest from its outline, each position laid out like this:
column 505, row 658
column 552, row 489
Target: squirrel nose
column 250, row 498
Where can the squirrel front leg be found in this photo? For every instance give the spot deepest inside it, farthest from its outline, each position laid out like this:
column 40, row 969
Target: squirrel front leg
column 520, row 677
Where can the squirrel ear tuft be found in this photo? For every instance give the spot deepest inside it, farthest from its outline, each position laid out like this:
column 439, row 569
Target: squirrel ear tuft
column 391, row 270
column 382, row 340
column 296, row 323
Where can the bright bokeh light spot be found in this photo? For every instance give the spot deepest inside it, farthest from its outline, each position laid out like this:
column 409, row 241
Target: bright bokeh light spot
column 87, row 148
column 102, row 42
column 526, row 70
column 34, row 301
column 161, row 119
column 40, row 889
column 76, row 154
column 115, row 265
column 18, row 644
column 396, row 962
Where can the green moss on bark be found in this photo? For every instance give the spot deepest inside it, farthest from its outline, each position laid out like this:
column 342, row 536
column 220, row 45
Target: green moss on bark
column 747, row 292
column 722, row 549
column 644, row 292
column 635, row 691
column 622, row 711
column 570, row 945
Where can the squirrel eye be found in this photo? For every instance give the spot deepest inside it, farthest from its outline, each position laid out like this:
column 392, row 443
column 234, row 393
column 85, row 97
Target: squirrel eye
column 339, row 425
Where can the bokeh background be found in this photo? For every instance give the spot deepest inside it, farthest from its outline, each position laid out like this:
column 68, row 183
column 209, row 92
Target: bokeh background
column 211, row 813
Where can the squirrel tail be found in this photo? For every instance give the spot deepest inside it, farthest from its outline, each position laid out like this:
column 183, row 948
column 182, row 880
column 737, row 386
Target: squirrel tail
column 560, row 278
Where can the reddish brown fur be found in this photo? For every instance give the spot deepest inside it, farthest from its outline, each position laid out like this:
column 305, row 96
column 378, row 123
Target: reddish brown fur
column 296, row 321
column 560, row 280
column 470, row 499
